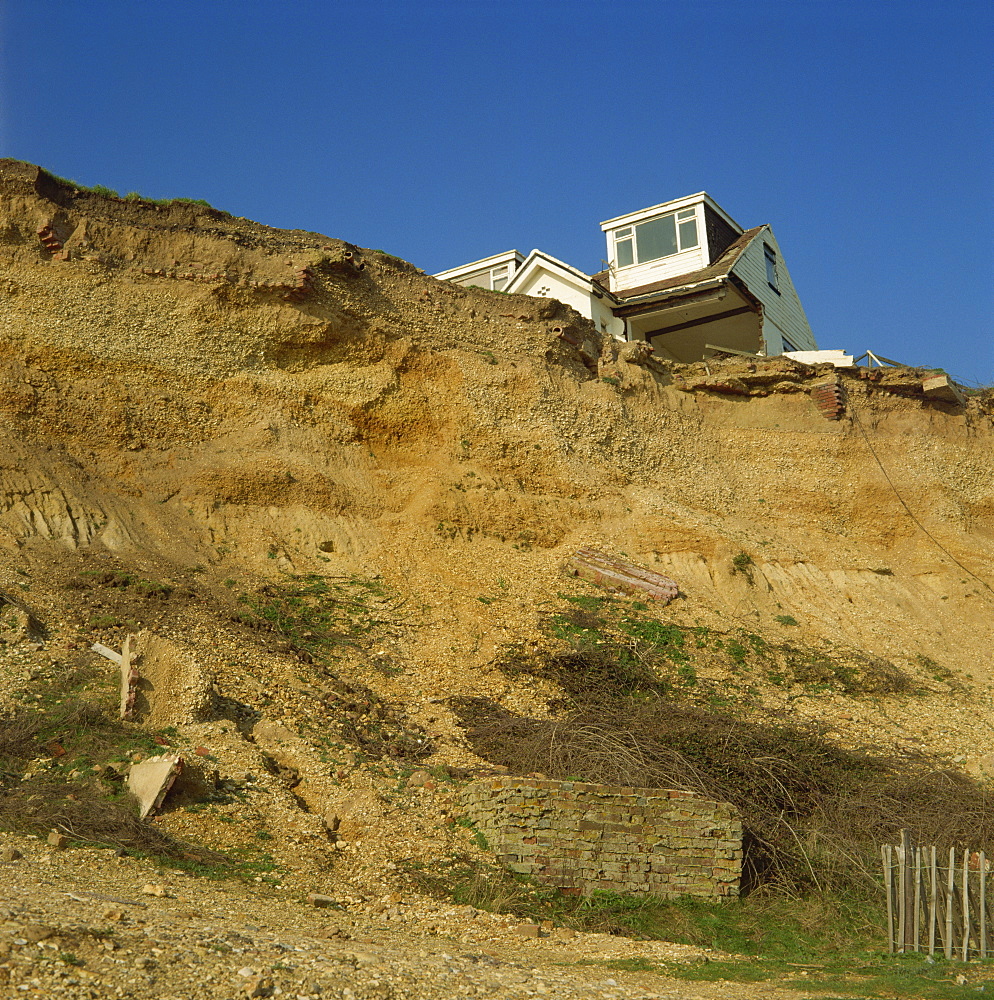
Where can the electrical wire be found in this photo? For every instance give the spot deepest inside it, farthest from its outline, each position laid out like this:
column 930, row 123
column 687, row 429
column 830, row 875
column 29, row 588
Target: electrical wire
column 910, row 512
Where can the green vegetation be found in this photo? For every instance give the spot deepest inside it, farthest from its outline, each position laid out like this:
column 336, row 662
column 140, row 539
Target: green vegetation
column 648, row 702
column 320, row 619
column 827, row 944
column 321, row 616
column 133, row 196
column 742, row 563
column 117, row 578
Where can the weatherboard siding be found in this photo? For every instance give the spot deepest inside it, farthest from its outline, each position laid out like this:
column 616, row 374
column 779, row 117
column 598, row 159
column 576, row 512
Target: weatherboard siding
column 657, row 270
column 783, row 314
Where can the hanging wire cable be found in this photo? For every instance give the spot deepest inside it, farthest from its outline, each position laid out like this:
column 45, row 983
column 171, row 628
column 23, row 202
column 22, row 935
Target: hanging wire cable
column 910, row 512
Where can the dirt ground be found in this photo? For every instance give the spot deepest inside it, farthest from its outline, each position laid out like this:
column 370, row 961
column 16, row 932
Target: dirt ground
column 197, row 408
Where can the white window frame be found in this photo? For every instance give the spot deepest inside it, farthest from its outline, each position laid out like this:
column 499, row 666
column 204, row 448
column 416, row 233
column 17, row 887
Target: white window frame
column 491, row 275
column 629, row 235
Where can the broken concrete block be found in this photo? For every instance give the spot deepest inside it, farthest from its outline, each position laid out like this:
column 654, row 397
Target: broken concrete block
column 57, row 840
column 10, row 854
column 528, row 930
column 620, row 576
column 943, row 388
column 259, row 986
column 150, row 780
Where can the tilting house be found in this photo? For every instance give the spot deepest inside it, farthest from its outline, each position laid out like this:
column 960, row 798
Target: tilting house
column 682, row 275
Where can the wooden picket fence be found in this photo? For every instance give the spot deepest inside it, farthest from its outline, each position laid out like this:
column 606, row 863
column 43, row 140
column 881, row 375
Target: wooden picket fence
column 937, row 902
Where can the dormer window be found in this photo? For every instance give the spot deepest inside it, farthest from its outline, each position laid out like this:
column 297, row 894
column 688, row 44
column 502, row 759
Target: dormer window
column 662, row 237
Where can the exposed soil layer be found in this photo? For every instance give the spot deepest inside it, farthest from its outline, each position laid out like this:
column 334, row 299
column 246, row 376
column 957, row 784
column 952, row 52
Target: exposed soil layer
column 343, row 490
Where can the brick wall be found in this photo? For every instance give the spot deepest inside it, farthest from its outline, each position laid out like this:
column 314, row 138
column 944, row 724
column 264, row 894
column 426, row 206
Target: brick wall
column 582, row 837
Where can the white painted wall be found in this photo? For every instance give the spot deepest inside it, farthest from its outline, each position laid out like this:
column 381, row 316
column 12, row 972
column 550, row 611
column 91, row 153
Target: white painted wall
column 545, row 283
column 657, row 270
column 783, row 313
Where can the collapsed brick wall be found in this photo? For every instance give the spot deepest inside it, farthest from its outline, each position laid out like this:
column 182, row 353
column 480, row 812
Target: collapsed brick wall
column 583, row 837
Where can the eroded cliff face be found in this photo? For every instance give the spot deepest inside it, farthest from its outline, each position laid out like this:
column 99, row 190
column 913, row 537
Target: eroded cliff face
column 181, row 388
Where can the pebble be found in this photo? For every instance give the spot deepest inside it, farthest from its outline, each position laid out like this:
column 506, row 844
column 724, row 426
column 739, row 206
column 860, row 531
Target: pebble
column 250, row 941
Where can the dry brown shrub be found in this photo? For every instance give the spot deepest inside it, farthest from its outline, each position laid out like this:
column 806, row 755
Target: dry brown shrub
column 814, row 813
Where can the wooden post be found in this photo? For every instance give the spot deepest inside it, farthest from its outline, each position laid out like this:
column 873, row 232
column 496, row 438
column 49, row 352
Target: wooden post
column 887, row 852
column 934, row 896
column 950, row 886
column 907, row 890
column 902, row 899
column 983, row 906
column 966, row 904
column 918, row 898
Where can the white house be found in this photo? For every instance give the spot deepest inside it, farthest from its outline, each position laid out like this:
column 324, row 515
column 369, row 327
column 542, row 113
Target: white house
column 682, row 275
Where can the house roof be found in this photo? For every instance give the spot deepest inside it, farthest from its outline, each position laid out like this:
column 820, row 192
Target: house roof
column 719, row 269
column 674, row 205
column 538, row 258
column 481, row 265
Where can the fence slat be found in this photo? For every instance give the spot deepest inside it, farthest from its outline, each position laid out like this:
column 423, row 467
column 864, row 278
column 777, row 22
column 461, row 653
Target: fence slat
column 966, row 904
column 950, row 887
column 907, row 889
column 887, row 852
column 918, row 899
column 983, row 906
column 902, row 924
column 933, row 895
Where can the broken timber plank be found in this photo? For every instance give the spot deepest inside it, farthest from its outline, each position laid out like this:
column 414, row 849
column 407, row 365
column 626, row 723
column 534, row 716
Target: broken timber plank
column 106, row 652
column 129, row 678
column 618, row 575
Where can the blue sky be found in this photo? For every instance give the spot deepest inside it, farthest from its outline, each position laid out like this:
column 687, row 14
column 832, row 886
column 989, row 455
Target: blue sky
column 444, row 131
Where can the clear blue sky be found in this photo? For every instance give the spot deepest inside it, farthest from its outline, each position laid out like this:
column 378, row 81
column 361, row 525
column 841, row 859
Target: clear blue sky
column 446, row 130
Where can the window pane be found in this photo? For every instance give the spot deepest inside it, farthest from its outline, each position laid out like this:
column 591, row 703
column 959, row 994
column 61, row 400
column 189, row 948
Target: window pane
column 499, row 283
column 622, row 233
column 623, row 251
column 656, row 238
column 771, row 267
column 687, row 213
column 688, row 234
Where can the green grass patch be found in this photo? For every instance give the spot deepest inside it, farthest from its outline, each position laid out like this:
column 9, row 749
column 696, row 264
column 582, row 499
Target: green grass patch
column 321, row 616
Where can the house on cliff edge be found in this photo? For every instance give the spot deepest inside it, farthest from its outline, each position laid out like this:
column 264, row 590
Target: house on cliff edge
column 682, row 275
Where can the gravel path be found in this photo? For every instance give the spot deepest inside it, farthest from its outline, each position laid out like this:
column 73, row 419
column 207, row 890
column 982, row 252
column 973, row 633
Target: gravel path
column 81, row 923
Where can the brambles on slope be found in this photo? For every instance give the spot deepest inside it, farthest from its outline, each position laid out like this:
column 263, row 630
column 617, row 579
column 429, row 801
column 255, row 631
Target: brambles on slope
column 814, row 813
column 373, row 726
column 638, row 710
column 320, row 616
column 62, row 765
